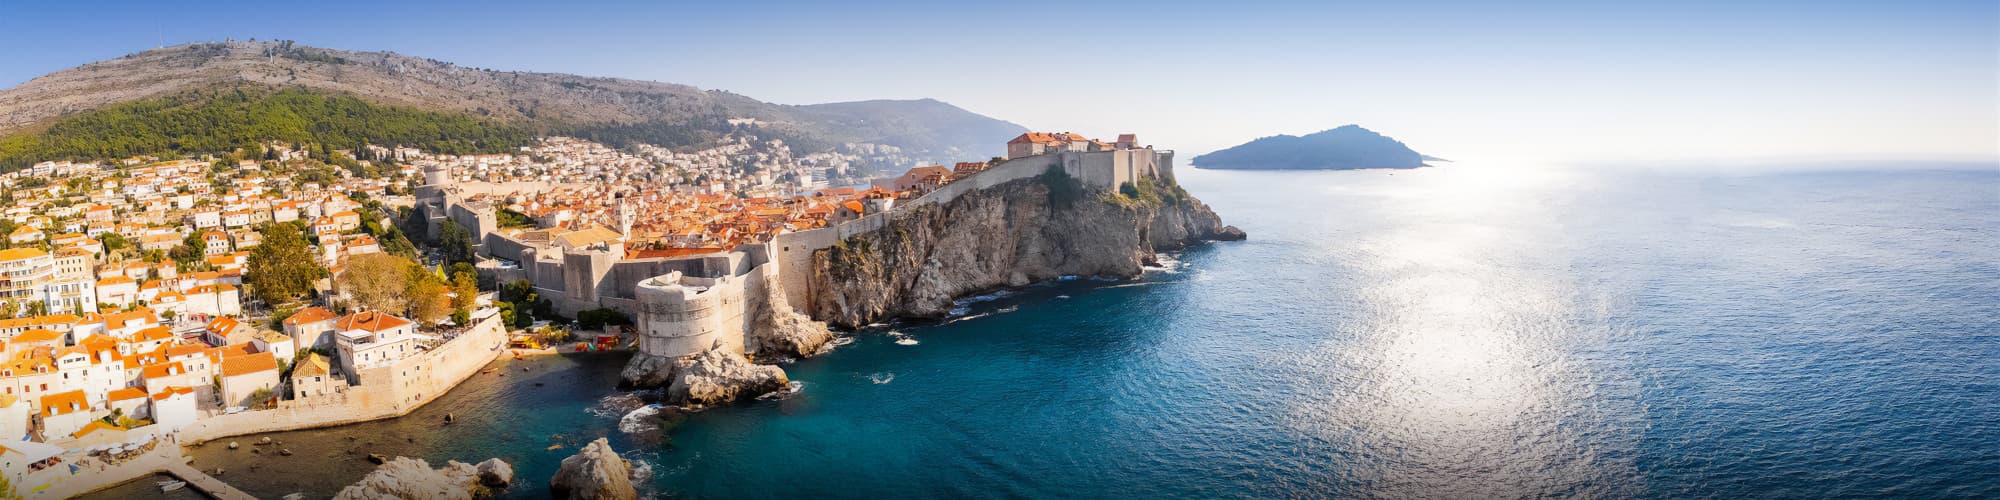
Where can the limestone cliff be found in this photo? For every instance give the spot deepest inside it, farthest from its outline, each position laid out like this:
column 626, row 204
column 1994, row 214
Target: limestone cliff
column 777, row 330
column 1011, row 234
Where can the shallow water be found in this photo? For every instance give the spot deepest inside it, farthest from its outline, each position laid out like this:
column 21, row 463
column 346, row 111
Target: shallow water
column 1452, row 332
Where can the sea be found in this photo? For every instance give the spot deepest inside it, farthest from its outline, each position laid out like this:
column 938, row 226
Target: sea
column 1461, row 331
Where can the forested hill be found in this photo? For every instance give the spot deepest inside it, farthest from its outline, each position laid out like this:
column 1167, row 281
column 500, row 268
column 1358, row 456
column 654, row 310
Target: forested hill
column 222, row 120
column 505, row 101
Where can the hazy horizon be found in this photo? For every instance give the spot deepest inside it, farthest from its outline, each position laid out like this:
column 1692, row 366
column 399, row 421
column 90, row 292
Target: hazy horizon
column 1665, row 83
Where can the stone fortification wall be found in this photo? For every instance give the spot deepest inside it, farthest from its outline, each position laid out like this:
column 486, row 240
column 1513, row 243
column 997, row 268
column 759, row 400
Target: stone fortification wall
column 479, row 219
column 680, row 315
column 1100, row 169
column 410, row 383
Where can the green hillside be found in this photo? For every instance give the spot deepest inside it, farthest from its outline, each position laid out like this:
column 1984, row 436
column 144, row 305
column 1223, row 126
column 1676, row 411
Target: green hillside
column 219, row 121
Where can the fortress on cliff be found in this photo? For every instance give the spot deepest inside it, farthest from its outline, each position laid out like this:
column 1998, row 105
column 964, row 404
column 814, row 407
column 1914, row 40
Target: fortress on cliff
column 683, row 305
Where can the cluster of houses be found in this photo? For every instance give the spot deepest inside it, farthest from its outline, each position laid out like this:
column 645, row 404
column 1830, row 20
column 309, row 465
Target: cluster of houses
column 99, row 343
column 105, row 344
column 665, row 220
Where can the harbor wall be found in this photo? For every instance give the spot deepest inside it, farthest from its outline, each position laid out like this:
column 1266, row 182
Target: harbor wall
column 412, row 382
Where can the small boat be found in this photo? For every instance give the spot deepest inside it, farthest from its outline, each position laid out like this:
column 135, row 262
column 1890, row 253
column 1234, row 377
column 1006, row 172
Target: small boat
column 173, row 485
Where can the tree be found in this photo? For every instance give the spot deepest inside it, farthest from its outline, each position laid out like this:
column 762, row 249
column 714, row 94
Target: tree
column 455, row 243
column 113, row 242
column 191, row 250
column 282, row 269
column 377, row 281
column 427, row 295
column 465, row 288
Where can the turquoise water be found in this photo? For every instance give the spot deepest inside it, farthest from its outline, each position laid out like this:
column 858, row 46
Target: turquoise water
column 1457, row 332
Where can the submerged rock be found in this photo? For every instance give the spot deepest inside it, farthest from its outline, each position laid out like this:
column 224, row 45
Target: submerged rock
column 410, row 478
column 595, row 472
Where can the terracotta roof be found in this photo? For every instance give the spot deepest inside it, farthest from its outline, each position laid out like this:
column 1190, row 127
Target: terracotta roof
column 241, row 349
column 158, row 370
column 94, row 426
column 154, row 333
column 64, row 403
column 248, row 364
column 126, row 393
column 171, row 391
column 309, row 315
column 587, row 237
column 222, row 325
column 373, row 321
column 37, row 335
column 21, row 253
column 312, row 365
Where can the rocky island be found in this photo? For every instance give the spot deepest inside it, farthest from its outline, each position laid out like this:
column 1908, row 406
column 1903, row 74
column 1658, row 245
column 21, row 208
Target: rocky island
column 1344, row 148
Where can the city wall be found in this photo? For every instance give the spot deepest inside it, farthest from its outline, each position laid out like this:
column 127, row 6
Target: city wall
column 1098, row 169
column 410, row 383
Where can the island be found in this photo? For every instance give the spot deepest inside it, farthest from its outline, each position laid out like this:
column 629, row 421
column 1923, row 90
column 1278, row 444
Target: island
column 1346, row 147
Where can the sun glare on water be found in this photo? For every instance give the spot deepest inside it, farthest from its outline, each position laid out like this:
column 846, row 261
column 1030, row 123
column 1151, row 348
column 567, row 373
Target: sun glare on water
column 1461, row 348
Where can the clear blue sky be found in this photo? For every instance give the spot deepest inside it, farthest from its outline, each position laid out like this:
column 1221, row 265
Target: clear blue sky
column 1586, row 81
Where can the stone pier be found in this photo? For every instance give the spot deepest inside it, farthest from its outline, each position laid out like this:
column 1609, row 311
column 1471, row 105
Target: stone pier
column 206, row 484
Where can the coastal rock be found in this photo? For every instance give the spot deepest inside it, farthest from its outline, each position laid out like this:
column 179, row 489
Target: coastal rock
column 494, row 473
column 647, row 370
column 720, row 376
column 778, row 330
column 1010, row 234
column 410, row 478
column 595, row 472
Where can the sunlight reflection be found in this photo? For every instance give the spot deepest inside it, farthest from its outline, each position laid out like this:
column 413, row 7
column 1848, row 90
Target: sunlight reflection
column 1460, row 359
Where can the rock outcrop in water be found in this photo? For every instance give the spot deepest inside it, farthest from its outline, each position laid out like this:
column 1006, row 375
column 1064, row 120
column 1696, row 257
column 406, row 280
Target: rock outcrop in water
column 720, row 376
column 714, row 376
column 411, row 478
column 594, row 473
column 1011, row 234
column 647, row 370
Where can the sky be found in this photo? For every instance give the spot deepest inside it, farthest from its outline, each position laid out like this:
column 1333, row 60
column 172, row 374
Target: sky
column 1680, row 81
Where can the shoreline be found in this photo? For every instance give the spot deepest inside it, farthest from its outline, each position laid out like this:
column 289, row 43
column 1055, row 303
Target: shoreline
column 359, row 405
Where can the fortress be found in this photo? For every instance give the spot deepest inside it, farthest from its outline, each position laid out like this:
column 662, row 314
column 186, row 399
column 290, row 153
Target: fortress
column 687, row 304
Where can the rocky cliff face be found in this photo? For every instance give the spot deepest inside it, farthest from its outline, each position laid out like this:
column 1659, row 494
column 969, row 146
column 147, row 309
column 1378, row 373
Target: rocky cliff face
column 776, row 330
column 1008, row 235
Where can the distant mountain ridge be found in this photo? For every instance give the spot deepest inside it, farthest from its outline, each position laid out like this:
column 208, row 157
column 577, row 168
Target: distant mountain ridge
column 538, row 101
column 1341, row 148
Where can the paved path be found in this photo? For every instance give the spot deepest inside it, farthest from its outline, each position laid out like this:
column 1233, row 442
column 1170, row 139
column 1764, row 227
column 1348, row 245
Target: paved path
column 163, row 455
column 207, row 484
